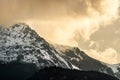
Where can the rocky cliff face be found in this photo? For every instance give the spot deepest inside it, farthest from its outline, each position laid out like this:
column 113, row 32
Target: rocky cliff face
column 20, row 43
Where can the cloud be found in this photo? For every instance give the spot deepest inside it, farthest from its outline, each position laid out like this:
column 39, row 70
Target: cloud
column 80, row 17
column 109, row 55
column 67, row 22
column 104, row 42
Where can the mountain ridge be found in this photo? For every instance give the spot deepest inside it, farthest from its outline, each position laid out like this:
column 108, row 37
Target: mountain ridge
column 19, row 43
column 21, row 40
column 81, row 60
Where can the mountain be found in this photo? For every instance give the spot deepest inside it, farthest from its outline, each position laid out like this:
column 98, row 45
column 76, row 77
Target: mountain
column 83, row 62
column 21, row 46
column 23, row 52
column 20, row 43
column 57, row 73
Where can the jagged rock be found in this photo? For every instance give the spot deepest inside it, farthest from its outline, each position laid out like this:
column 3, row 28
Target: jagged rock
column 20, row 43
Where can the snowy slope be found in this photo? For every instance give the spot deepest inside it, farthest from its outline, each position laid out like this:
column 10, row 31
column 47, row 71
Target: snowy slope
column 82, row 61
column 20, row 43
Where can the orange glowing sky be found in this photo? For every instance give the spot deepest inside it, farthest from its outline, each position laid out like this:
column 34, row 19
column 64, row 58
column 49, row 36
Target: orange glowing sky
column 92, row 25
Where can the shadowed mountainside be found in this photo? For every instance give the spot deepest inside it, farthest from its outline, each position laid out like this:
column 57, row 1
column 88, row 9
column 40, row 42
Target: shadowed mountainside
column 56, row 73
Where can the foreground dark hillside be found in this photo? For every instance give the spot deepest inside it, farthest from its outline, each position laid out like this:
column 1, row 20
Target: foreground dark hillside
column 23, row 71
column 17, row 71
column 56, row 73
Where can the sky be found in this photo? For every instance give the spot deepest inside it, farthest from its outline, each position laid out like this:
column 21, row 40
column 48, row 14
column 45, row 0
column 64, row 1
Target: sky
column 91, row 25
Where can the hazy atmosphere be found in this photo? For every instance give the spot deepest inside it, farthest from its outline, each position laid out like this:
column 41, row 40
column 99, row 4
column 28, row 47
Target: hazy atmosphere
column 92, row 25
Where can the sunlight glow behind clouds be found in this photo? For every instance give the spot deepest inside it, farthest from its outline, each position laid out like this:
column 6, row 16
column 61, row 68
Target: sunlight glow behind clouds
column 68, row 22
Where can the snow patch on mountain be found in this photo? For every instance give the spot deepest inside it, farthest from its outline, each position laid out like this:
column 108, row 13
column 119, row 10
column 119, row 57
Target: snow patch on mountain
column 20, row 43
column 114, row 68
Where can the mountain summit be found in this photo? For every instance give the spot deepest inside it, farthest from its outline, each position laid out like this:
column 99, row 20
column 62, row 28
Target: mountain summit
column 20, row 43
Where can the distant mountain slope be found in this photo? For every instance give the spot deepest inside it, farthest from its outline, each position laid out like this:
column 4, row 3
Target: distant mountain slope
column 56, row 73
column 83, row 62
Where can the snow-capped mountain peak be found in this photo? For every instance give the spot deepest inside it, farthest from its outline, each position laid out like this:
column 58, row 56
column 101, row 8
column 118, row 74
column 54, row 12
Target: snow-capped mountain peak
column 20, row 43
